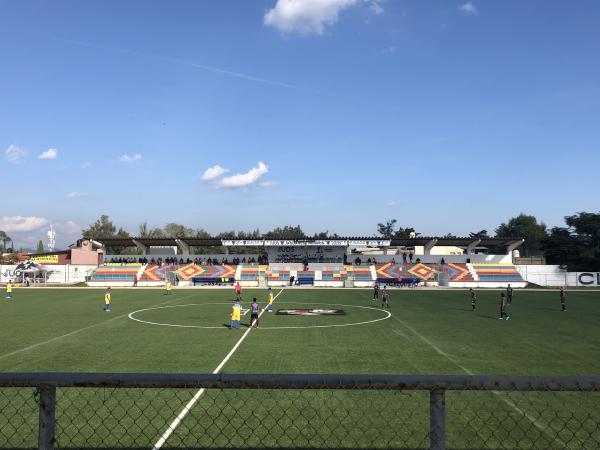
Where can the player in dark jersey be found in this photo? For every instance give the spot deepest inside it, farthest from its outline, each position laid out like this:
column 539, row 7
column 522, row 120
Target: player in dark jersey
column 376, row 292
column 384, row 298
column 503, row 307
column 509, row 294
column 254, row 308
column 473, row 298
column 563, row 305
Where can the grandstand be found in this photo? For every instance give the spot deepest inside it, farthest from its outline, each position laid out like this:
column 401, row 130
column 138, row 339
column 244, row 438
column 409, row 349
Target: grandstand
column 314, row 262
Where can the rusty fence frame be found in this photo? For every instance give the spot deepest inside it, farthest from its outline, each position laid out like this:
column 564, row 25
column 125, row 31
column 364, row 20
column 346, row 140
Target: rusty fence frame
column 437, row 385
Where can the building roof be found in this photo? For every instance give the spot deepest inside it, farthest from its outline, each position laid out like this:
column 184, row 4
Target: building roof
column 342, row 241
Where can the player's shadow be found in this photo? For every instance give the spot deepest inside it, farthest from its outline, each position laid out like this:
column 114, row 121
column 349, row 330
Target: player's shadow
column 487, row 317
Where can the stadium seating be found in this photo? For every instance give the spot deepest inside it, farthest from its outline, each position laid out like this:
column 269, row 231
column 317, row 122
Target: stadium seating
column 155, row 272
column 333, row 275
column 209, row 273
column 359, row 273
column 277, row 275
column 252, row 272
column 422, row 272
column 116, row 272
column 306, row 277
column 505, row 273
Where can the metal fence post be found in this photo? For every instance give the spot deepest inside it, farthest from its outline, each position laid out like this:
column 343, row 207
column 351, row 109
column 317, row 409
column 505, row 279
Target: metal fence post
column 437, row 419
column 47, row 421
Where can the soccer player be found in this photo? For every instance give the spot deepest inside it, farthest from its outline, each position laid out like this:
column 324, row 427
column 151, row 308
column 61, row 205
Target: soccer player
column 503, row 307
column 107, row 300
column 270, row 300
column 473, row 298
column 254, row 307
column 384, row 298
column 563, row 305
column 238, row 291
column 8, row 291
column 168, row 287
column 376, row 292
column 236, row 312
column 509, row 294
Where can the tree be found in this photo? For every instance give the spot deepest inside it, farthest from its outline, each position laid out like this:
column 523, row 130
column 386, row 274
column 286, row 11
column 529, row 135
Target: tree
column 4, row 238
column 483, row 234
column 176, row 230
column 102, row 228
column 386, row 230
column 578, row 245
column 40, row 247
column 525, row 226
column 288, row 232
column 147, row 232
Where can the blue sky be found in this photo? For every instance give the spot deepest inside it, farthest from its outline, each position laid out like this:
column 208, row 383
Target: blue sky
column 449, row 116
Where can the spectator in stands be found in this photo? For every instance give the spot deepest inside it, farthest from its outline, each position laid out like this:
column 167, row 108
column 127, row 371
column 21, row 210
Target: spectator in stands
column 404, row 257
column 442, row 262
column 418, row 260
column 410, row 256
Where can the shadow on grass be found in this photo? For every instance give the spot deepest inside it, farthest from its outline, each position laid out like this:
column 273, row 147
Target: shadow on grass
column 263, row 448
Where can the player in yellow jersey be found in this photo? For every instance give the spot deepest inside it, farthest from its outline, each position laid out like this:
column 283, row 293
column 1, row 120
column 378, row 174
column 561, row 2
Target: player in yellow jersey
column 270, row 300
column 107, row 299
column 236, row 314
column 168, row 287
column 9, row 288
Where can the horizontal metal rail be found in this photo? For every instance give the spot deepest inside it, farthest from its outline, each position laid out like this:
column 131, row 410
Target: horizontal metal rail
column 306, row 381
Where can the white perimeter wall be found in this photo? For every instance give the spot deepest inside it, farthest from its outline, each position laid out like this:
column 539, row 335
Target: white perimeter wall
column 60, row 273
column 553, row 276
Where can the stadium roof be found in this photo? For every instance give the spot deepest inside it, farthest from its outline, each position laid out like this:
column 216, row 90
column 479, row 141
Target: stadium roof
column 340, row 241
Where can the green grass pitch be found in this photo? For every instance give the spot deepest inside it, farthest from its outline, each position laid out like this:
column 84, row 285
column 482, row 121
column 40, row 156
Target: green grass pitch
column 427, row 332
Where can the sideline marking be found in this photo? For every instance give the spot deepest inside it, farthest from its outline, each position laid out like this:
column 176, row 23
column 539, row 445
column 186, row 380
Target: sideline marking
column 221, row 327
column 184, row 412
column 71, row 333
column 538, row 423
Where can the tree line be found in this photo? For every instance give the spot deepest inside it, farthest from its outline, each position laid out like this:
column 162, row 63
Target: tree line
column 576, row 245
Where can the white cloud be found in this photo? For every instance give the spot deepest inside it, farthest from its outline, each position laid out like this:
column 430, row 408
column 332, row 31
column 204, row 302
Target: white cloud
column 376, row 8
column 269, row 184
column 51, row 153
column 310, row 16
column 21, row 223
column 213, row 172
column 129, row 159
column 15, row 154
column 392, row 203
column 242, row 180
column 86, row 165
column 468, row 8
column 75, row 194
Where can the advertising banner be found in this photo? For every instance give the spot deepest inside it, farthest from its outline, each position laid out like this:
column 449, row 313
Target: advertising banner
column 591, row 279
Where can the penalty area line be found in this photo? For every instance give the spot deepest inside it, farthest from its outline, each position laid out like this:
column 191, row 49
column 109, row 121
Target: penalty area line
column 188, row 407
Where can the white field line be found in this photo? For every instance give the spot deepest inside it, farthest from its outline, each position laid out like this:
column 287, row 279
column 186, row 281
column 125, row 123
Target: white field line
column 71, row 333
column 538, row 423
column 187, row 408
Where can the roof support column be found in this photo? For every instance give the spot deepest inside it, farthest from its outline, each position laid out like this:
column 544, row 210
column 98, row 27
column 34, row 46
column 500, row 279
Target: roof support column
column 472, row 245
column 142, row 247
column 513, row 245
column 185, row 249
column 428, row 246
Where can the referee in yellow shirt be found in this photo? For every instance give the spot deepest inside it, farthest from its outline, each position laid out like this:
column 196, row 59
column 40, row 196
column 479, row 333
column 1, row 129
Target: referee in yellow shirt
column 9, row 288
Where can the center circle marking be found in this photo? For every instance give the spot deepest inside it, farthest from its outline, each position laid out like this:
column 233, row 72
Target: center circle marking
column 387, row 316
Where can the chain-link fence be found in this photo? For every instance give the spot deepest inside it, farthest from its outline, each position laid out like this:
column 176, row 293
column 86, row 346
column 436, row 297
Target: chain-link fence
column 151, row 411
